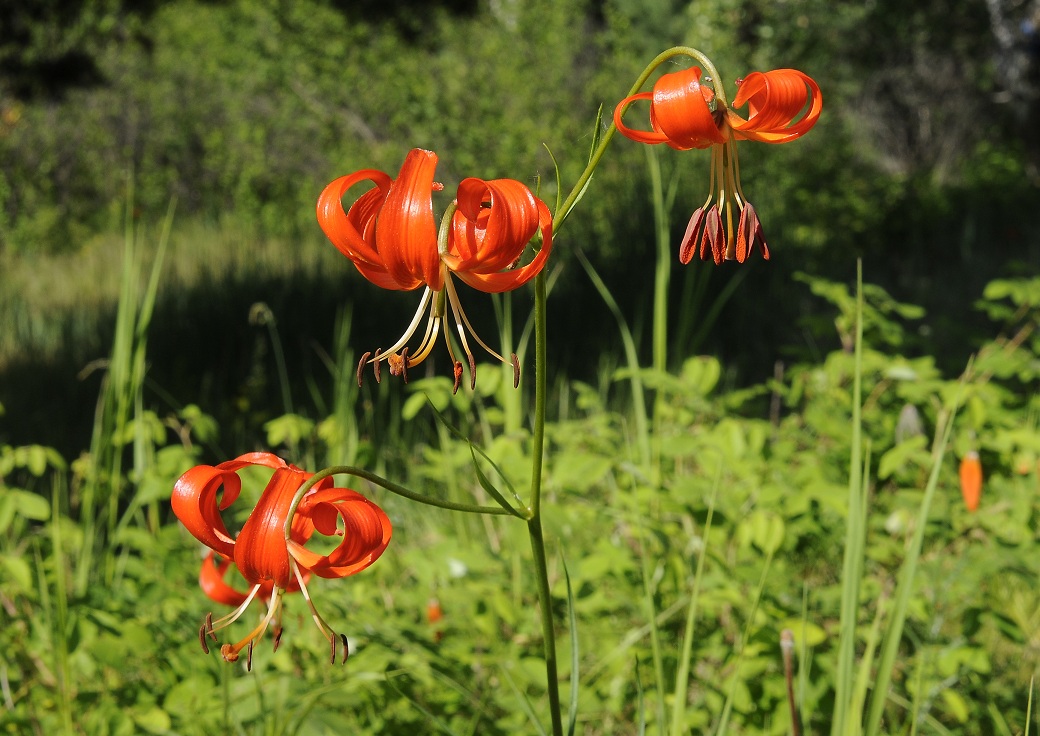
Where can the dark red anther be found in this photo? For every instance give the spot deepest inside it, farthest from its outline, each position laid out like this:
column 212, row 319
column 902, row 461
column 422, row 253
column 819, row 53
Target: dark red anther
column 361, row 368
column 457, row 369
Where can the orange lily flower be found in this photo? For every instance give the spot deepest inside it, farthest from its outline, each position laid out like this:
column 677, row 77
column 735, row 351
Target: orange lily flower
column 269, row 551
column 391, row 236
column 782, row 105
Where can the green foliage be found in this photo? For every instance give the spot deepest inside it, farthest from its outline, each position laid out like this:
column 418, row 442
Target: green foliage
column 123, row 656
column 694, row 533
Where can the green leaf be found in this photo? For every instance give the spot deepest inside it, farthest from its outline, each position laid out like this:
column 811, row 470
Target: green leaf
column 289, row 429
column 30, row 505
column 956, row 705
column 17, row 570
column 897, row 458
column 153, row 720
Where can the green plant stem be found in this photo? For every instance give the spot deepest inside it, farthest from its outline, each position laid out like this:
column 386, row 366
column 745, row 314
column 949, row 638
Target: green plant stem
column 534, row 522
column 682, row 677
column 393, row 488
column 663, row 272
column 552, row 678
column 855, row 537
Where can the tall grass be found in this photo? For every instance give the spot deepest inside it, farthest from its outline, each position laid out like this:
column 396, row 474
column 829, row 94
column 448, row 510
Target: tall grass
column 121, row 400
column 41, row 320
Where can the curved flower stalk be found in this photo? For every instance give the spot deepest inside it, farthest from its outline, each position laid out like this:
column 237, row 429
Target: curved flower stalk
column 685, row 113
column 270, row 550
column 391, row 236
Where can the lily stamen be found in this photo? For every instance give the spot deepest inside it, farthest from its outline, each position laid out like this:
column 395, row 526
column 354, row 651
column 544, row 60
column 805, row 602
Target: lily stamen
column 210, row 627
column 327, row 631
column 230, row 651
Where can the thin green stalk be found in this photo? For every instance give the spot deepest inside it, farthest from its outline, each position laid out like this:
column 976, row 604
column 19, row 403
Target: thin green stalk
column 534, row 522
column 655, row 635
column 855, row 536
column 682, row 678
column 643, row 434
column 552, row 677
column 907, row 572
column 663, row 270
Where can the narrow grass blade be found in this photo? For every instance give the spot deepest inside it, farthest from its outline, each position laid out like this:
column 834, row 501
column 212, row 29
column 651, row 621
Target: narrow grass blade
column 631, row 357
column 432, row 718
column 682, row 678
column 484, row 481
column 1029, row 706
column 572, row 709
column 855, row 539
column 525, row 702
column 907, row 572
column 641, row 702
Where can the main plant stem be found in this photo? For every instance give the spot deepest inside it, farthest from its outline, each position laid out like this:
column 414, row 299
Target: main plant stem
column 534, row 522
column 534, row 519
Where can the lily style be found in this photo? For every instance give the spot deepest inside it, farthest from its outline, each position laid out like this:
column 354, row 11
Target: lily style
column 270, row 551
column 685, row 113
column 391, row 235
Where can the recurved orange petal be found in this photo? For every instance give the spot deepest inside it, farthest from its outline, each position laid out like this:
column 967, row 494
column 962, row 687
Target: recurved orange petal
column 353, row 232
column 680, row 110
column 508, row 231
column 492, row 225
column 366, row 532
column 260, row 551
column 406, row 232
column 194, row 502
column 639, row 136
column 783, row 104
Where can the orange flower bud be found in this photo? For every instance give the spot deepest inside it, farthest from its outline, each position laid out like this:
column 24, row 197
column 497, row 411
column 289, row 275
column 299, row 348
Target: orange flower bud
column 433, row 611
column 971, row 480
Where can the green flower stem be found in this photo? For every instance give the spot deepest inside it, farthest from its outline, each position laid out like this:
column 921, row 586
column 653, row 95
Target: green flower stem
column 552, row 677
column 579, row 187
column 534, row 519
column 393, row 488
column 534, row 522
